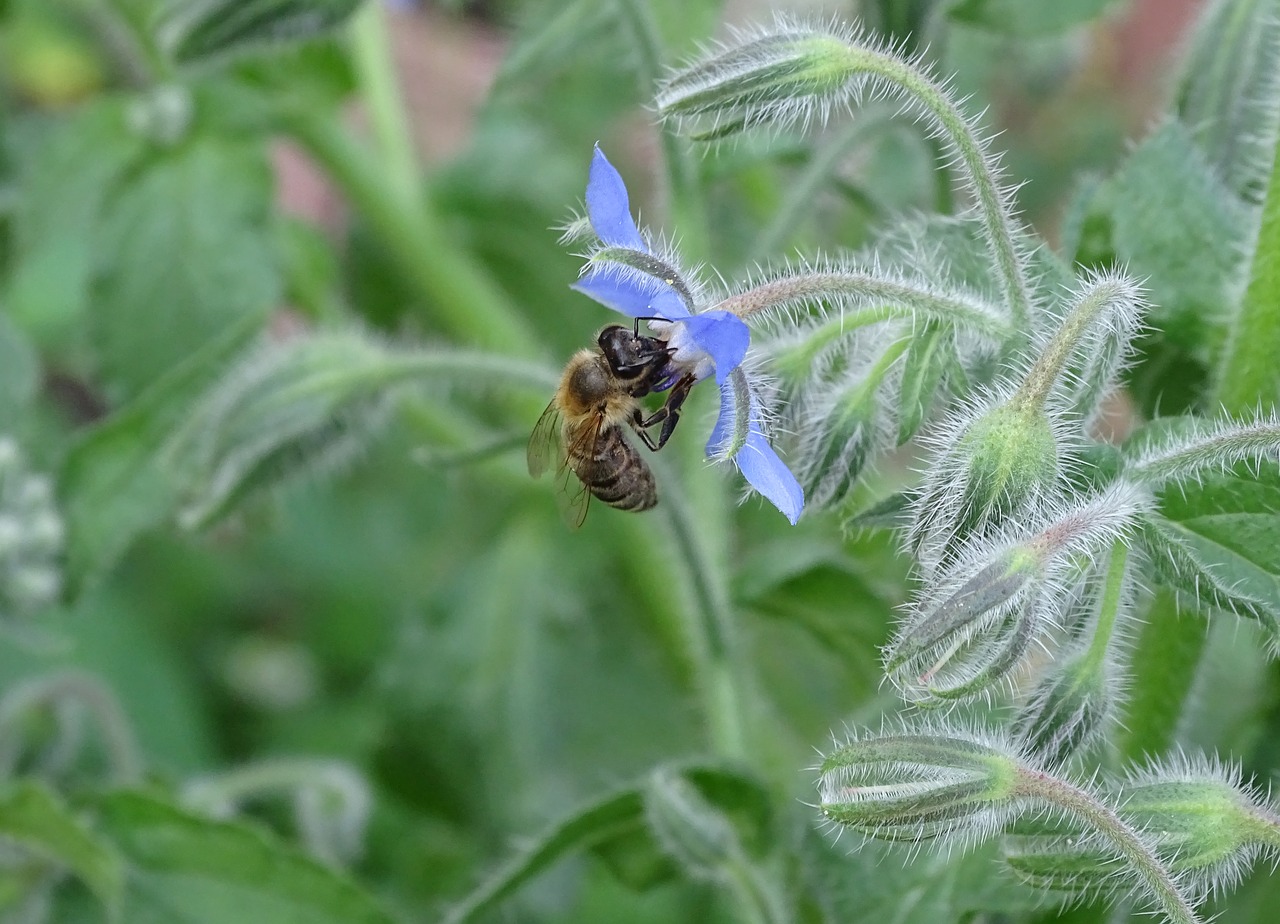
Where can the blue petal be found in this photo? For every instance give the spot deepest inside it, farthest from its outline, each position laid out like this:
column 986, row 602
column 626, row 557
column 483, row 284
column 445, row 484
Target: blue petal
column 726, row 422
column 723, row 336
column 770, row 476
column 631, row 297
column 756, row 459
column 608, row 207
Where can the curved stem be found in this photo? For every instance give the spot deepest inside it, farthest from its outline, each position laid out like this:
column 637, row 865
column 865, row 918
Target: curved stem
column 992, row 203
column 462, row 299
column 75, row 686
column 1098, row 816
column 900, row 298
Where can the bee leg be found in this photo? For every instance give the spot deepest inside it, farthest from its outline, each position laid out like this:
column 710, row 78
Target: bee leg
column 668, row 415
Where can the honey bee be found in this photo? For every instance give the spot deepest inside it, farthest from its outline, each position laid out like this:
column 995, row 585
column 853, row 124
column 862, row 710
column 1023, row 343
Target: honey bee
column 582, row 426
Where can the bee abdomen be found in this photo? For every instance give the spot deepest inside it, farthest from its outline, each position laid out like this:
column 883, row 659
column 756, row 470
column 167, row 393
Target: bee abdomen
column 617, row 475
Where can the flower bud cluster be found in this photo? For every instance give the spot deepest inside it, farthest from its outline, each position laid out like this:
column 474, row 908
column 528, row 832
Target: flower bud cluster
column 31, row 537
column 998, row 365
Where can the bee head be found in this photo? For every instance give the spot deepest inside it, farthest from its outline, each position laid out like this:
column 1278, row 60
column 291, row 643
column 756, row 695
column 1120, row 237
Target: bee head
column 630, row 354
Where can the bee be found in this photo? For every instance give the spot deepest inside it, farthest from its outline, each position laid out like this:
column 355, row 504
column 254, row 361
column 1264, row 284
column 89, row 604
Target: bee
column 599, row 393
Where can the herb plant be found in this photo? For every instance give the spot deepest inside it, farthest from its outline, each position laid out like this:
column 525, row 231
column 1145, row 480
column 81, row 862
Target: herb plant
column 1023, row 594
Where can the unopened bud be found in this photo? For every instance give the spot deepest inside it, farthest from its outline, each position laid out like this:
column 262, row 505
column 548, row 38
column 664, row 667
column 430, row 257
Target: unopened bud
column 973, row 636
column 759, row 81
column 914, row 785
column 1067, row 710
column 996, row 467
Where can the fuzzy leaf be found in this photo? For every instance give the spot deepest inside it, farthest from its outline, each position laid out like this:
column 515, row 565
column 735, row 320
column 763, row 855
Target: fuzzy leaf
column 209, row 29
column 1249, row 372
column 1227, row 91
column 307, row 404
column 616, row 815
column 189, row 254
column 1174, row 224
column 1025, row 20
column 19, row 373
column 112, row 485
column 185, row 869
column 1217, row 543
column 34, row 817
column 55, row 224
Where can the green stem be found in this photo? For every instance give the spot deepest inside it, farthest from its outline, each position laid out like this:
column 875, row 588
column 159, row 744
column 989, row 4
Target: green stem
column 123, row 755
column 901, row 299
column 1248, row 373
column 683, row 189
column 1040, row 786
column 215, row 794
column 993, row 206
column 380, row 92
column 711, row 627
column 462, row 299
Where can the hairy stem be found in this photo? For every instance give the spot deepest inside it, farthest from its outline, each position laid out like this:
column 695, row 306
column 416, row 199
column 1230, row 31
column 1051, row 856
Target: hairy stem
column 993, row 206
column 900, row 298
column 1041, row 786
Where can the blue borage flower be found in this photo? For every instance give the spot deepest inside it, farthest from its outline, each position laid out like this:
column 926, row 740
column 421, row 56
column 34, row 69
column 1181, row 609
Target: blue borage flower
column 624, row 274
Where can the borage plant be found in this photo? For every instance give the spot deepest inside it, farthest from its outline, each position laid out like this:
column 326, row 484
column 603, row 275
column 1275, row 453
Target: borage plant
column 1036, row 542
column 951, row 382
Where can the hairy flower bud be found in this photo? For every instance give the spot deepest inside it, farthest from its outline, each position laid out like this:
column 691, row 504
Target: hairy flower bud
column 993, row 468
column 973, row 635
column 762, row 80
column 1067, row 710
column 970, row 625
column 690, row 828
column 916, row 784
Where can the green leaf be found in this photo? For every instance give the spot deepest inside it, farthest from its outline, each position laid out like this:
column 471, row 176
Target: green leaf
column 34, row 817
column 64, row 180
column 308, row 404
column 210, row 29
column 112, row 484
column 184, row 869
column 1023, row 19
column 1175, row 225
column 616, row 815
column 19, row 373
column 188, row 253
column 1217, row 543
column 1226, row 93
column 1249, row 373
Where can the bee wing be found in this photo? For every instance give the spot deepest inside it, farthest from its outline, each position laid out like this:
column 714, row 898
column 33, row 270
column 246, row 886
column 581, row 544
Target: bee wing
column 576, row 495
column 546, row 442
column 547, row 448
